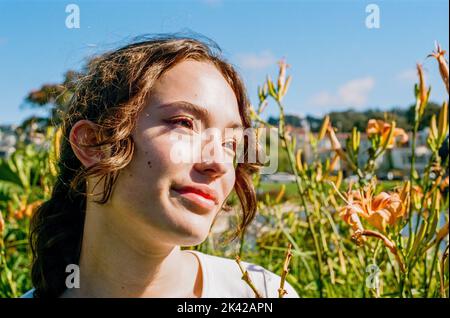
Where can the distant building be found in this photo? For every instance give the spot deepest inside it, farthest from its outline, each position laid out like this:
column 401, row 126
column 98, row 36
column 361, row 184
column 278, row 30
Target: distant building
column 8, row 139
column 397, row 159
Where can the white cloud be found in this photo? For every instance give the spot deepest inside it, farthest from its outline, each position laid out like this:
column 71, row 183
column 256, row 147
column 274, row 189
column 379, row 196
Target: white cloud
column 258, row 61
column 353, row 93
column 407, row 76
column 322, row 99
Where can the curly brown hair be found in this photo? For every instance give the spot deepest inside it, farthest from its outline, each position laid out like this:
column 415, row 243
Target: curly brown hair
column 111, row 94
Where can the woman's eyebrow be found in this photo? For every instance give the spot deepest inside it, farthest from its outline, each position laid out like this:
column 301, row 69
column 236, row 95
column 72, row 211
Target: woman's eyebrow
column 197, row 110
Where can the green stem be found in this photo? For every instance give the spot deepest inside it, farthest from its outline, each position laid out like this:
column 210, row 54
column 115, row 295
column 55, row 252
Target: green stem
column 241, row 243
column 412, row 179
column 302, row 200
column 432, row 269
column 424, row 279
column 402, row 283
column 7, row 271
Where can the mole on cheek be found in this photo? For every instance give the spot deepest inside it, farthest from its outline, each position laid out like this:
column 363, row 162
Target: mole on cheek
column 149, row 164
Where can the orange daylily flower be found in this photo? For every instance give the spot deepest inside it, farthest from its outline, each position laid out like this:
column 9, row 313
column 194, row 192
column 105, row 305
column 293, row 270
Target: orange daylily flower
column 379, row 211
column 380, row 127
column 26, row 210
column 350, row 213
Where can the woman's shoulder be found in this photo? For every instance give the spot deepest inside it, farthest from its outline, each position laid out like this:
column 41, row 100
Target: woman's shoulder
column 224, row 279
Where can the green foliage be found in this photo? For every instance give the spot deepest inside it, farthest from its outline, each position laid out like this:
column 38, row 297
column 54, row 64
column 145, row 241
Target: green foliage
column 25, row 181
column 338, row 237
column 344, row 121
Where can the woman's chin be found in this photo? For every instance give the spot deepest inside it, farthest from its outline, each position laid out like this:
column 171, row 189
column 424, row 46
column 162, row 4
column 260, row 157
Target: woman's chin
column 184, row 226
column 188, row 237
column 188, row 241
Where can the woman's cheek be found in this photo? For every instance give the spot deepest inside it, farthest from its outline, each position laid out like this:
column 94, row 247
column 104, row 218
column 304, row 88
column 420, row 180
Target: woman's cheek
column 156, row 146
column 230, row 180
column 183, row 149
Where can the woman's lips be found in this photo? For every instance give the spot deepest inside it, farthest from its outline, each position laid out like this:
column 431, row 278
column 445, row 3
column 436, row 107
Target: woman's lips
column 201, row 202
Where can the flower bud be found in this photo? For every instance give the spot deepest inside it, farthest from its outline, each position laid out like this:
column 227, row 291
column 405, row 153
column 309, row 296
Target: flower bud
column 439, row 55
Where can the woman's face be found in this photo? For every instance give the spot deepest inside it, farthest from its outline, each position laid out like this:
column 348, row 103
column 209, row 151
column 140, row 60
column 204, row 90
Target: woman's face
column 151, row 190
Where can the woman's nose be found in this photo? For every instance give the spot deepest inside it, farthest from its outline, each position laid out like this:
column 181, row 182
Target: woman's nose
column 213, row 162
column 213, row 168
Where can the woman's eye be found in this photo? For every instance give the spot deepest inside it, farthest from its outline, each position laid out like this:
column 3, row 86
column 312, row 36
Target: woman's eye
column 185, row 122
column 231, row 145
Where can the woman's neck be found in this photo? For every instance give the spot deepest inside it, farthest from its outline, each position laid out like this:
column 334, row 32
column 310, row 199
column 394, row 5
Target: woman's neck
column 119, row 259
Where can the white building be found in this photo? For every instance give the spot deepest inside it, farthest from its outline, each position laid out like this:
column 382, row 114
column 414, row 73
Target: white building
column 396, row 159
column 8, row 140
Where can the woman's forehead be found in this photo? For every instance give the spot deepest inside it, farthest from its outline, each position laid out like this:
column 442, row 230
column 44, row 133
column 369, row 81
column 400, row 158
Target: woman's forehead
column 200, row 84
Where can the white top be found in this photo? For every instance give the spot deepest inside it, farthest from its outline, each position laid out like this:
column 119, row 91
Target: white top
column 222, row 278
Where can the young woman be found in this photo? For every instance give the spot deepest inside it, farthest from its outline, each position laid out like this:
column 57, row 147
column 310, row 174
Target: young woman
column 123, row 205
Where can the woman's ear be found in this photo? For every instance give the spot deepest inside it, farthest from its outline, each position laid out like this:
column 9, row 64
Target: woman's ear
column 84, row 133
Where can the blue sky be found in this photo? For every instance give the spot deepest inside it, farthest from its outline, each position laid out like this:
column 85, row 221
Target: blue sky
column 335, row 60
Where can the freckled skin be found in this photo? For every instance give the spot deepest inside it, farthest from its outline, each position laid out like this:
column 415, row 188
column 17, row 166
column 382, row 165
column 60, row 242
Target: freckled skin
column 146, row 195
